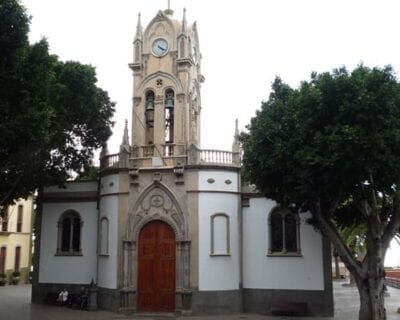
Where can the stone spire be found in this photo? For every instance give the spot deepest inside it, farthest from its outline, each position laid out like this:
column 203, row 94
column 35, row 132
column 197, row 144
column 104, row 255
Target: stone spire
column 184, row 22
column 125, row 137
column 236, row 143
column 139, row 29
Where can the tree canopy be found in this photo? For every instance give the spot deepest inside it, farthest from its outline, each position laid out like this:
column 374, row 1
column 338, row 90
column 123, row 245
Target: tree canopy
column 331, row 147
column 53, row 115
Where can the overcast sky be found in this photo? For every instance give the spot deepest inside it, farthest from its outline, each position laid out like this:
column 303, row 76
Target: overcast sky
column 244, row 45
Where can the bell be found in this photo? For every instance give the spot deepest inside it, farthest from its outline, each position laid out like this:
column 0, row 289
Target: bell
column 149, row 105
column 169, row 102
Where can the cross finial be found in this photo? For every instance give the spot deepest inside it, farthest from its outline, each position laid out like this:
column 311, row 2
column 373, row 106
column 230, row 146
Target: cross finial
column 169, row 11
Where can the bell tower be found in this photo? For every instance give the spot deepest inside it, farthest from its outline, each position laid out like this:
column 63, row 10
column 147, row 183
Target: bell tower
column 166, row 90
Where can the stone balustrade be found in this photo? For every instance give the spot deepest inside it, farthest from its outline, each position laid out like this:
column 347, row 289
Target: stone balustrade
column 109, row 161
column 194, row 155
column 216, row 156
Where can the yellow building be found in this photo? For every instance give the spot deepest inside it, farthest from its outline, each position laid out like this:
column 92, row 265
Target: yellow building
column 16, row 242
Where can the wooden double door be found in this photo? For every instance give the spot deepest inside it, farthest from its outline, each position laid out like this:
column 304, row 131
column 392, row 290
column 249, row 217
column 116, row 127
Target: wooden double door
column 156, row 268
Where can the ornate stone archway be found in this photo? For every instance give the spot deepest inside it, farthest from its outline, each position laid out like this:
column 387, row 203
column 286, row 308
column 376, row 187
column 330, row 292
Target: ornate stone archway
column 156, row 202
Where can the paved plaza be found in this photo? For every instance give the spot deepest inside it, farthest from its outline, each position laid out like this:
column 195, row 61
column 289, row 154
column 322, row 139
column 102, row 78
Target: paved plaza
column 15, row 305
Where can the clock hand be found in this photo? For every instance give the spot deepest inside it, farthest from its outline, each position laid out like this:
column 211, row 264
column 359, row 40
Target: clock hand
column 159, row 47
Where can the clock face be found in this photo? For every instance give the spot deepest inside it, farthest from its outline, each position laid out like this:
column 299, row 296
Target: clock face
column 160, row 47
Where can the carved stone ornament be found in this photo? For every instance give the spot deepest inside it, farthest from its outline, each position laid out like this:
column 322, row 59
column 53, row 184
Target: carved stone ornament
column 159, row 83
column 178, row 171
column 136, row 101
column 210, row 180
column 181, row 97
column 157, row 200
column 134, row 172
column 157, row 176
column 137, row 219
column 161, row 29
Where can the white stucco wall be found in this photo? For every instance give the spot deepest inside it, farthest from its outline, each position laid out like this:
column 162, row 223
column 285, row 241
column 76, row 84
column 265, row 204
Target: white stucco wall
column 107, row 271
column 218, row 180
column 68, row 269
column 109, row 184
column 263, row 272
column 218, row 272
column 107, row 267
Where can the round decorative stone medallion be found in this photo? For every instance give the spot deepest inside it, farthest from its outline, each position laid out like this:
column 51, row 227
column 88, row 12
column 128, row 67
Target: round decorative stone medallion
column 157, row 200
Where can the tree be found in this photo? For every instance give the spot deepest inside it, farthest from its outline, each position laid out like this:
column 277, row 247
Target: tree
column 330, row 144
column 354, row 237
column 53, row 115
column 91, row 173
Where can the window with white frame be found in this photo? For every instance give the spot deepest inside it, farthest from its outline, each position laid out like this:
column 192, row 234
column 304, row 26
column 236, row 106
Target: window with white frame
column 220, row 234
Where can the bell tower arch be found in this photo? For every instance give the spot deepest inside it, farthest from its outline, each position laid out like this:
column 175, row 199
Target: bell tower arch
column 166, row 90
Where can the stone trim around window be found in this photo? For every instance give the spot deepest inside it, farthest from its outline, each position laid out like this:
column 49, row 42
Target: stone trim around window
column 213, row 250
column 282, row 223
column 104, row 236
column 72, row 249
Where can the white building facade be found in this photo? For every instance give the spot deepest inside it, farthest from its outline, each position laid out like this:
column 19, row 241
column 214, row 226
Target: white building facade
column 169, row 227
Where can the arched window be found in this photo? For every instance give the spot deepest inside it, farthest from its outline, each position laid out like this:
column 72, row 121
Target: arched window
column 220, row 234
column 149, row 116
column 104, row 227
column 69, row 234
column 284, row 233
column 169, row 116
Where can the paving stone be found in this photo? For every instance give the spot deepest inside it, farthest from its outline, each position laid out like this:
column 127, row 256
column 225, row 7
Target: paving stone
column 15, row 305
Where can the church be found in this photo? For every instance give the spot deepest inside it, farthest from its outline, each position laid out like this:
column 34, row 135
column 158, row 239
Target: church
column 169, row 227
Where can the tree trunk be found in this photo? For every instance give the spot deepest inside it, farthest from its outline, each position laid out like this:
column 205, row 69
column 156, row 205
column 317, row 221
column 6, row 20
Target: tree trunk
column 365, row 302
column 371, row 301
column 337, row 269
column 352, row 282
column 368, row 274
column 371, row 287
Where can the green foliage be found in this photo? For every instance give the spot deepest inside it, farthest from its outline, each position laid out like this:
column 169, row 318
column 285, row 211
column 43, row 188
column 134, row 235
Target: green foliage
column 332, row 139
column 89, row 174
column 53, row 114
column 331, row 147
column 354, row 236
